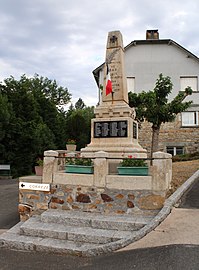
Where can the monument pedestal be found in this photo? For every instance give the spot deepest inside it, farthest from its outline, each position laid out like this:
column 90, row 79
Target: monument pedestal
column 115, row 131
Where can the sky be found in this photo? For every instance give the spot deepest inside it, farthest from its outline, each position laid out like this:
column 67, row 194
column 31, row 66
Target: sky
column 65, row 40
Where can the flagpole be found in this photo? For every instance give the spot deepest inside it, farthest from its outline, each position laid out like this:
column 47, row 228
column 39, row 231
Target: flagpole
column 112, row 96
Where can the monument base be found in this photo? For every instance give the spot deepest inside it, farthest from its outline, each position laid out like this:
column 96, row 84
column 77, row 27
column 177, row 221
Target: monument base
column 116, row 134
column 122, row 151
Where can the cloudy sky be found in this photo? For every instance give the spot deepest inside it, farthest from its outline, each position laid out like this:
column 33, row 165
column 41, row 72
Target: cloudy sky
column 65, row 40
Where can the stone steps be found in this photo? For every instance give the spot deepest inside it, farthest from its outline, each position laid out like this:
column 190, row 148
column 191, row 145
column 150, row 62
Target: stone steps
column 35, row 227
column 17, row 241
column 72, row 232
column 95, row 220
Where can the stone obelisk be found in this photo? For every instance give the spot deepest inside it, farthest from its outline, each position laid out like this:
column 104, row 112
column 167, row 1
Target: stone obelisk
column 114, row 129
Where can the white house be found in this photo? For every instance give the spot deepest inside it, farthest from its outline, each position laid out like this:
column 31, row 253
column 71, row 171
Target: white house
column 144, row 61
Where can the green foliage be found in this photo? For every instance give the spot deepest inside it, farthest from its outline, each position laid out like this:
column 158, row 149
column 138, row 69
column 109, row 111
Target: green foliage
column 186, row 157
column 154, row 107
column 39, row 162
column 31, row 122
column 79, row 161
column 132, row 162
column 5, row 115
column 78, row 125
column 71, row 141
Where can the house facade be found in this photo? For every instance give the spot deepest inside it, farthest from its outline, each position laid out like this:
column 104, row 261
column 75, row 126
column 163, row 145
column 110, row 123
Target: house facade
column 144, row 61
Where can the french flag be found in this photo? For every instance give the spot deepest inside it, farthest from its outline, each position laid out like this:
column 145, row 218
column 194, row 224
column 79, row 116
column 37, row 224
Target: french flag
column 108, row 82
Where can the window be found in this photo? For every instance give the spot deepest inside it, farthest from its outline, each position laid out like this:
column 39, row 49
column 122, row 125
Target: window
column 175, row 150
column 191, row 81
column 189, row 119
column 131, row 84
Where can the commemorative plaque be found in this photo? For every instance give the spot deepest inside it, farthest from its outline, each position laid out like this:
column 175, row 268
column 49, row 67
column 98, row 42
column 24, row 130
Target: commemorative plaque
column 134, row 130
column 110, row 129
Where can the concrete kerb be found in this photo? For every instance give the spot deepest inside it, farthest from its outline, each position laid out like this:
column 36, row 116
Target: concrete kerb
column 164, row 212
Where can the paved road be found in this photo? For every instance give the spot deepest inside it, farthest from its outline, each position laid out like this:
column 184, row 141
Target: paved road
column 158, row 258
column 166, row 257
column 8, row 203
column 191, row 198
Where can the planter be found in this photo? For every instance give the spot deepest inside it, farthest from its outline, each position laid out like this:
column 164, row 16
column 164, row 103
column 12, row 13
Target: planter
column 39, row 170
column 79, row 169
column 133, row 170
column 71, row 147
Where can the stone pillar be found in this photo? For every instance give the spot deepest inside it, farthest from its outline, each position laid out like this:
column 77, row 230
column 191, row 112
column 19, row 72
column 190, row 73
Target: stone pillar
column 115, row 62
column 50, row 165
column 114, row 128
column 100, row 168
column 161, row 171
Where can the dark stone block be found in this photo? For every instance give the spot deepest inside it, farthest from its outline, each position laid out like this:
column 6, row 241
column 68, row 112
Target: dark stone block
column 83, row 198
column 57, row 200
column 130, row 204
column 106, row 198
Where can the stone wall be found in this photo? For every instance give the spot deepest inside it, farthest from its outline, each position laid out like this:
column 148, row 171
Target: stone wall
column 171, row 134
column 91, row 199
column 98, row 192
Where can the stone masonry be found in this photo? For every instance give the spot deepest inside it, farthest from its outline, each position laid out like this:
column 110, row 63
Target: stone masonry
column 99, row 192
column 88, row 199
column 171, row 134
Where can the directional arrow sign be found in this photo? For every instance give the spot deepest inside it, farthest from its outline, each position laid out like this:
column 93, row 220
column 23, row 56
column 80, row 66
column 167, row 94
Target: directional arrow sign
column 34, row 186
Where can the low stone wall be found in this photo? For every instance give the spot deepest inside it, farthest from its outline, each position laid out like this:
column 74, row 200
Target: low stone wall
column 91, row 199
column 98, row 192
column 159, row 179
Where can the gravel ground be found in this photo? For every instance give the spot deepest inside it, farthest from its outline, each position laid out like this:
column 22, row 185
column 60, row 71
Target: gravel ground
column 181, row 172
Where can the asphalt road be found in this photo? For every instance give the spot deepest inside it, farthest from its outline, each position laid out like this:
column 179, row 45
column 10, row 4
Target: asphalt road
column 172, row 257
column 158, row 258
column 8, row 203
column 191, row 198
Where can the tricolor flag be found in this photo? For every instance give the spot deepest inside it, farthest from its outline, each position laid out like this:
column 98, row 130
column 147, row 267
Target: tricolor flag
column 108, row 82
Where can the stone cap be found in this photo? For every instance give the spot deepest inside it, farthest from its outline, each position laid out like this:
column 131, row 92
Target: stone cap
column 51, row 153
column 163, row 155
column 114, row 39
column 101, row 154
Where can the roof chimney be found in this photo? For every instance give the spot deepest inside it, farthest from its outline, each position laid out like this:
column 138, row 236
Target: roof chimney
column 152, row 34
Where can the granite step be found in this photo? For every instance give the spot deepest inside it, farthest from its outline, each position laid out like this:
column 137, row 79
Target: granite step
column 13, row 240
column 95, row 220
column 74, row 232
column 36, row 228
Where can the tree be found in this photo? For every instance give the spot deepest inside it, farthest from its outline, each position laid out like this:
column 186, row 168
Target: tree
column 78, row 124
column 154, row 107
column 56, row 94
column 30, row 120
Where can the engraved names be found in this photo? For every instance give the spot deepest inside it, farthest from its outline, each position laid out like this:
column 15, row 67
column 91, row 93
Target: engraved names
column 109, row 129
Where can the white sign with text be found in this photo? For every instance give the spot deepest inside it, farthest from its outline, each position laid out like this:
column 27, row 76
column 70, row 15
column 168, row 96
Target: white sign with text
column 34, row 186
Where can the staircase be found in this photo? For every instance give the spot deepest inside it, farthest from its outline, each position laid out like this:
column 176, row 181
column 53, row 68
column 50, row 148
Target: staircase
column 73, row 232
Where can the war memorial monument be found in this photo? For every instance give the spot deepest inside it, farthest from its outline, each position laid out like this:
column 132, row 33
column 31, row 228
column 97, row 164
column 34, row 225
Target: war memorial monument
column 88, row 214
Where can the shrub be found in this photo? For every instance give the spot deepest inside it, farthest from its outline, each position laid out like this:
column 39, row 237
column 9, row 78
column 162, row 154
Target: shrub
column 79, row 161
column 39, row 162
column 132, row 162
column 185, row 157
